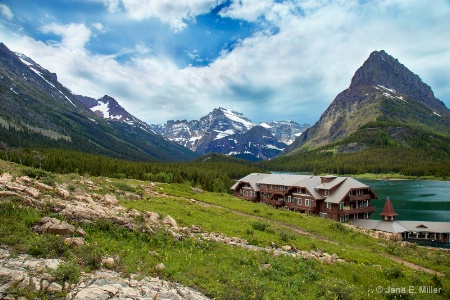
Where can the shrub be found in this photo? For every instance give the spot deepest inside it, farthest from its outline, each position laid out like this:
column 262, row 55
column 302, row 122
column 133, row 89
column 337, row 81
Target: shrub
column 338, row 227
column 286, row 237
column 261, row 226
column 67, row 271
column 394, row 272
column 336, row 289
column 36, row 173
column 124, row 187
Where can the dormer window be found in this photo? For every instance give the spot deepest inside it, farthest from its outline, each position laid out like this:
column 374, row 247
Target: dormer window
column 325, row 192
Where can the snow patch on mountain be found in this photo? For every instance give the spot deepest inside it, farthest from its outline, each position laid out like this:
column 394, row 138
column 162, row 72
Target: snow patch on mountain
column 102, row 110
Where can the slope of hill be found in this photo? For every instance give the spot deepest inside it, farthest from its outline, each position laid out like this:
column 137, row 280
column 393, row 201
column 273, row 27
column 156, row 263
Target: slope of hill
column 82, row 237
column 37, row 111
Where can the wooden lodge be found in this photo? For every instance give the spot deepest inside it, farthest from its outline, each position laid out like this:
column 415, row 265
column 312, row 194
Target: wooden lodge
column 339, row 198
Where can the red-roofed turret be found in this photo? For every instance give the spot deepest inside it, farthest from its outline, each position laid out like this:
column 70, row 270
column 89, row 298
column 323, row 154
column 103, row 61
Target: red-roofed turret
column 388, row 212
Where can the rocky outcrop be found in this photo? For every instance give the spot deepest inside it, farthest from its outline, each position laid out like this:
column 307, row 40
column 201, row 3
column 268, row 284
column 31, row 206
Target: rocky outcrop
column 34, row 275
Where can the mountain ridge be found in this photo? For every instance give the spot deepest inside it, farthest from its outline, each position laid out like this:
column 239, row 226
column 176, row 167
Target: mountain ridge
column 38, row 111
column 227, row 131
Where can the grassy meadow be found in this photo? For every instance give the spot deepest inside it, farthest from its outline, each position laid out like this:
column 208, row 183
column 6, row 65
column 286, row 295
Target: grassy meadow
column 224, row 271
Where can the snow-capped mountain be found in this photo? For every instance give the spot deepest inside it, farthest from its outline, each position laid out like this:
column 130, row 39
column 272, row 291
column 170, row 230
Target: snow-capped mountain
column 37, row 111
column 108, row 108
column 229, row 132
column 285, row 131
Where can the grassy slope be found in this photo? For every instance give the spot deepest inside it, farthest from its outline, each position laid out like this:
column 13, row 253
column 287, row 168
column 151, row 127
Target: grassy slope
column 226, row 272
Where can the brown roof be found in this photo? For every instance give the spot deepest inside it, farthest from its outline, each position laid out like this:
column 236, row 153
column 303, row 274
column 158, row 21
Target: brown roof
column 388, row 210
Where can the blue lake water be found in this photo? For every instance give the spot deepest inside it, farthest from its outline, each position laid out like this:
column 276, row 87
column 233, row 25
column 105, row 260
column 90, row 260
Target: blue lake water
column 421, row 200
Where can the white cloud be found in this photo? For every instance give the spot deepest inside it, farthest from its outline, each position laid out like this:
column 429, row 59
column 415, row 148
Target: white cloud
column 99, row 27
column 112, row 5
column 74, row 36
column 6, row 12
column 293, row 74
column 178, row 14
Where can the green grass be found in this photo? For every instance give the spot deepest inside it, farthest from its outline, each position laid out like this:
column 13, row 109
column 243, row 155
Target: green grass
column 221, row 271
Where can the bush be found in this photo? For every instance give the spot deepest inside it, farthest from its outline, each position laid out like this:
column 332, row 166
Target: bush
column 286, row 237
column 36, row 173
column 124, row 187
column 394, row 272
column 67, row 271
column 260, row 226
column 336, row 289
column 338, row 227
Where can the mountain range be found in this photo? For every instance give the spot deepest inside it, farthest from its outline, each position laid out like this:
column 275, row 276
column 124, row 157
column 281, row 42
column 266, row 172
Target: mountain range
column 229, row 132
column 386, row 107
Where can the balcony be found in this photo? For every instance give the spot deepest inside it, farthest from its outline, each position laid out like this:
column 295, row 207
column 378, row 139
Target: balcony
column 273, row 202
column 348, row 210
column 358, row 198
column 249, row 198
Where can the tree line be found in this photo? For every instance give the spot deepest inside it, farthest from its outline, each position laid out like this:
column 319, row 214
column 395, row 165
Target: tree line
column 212, row 173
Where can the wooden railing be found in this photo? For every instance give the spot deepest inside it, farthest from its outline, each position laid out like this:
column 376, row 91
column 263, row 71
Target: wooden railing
column 348, row 210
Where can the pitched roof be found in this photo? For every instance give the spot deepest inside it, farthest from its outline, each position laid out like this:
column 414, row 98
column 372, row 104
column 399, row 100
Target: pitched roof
column 251, row 179
column 388, row 210
column 283, row 179
column 331, row 184
column 422, row 226
column 310, row 184
column 386, row 226
column 403, row 226
column 342, row 190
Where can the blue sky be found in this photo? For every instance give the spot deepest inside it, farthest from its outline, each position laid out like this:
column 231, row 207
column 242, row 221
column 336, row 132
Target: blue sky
column 270, row 60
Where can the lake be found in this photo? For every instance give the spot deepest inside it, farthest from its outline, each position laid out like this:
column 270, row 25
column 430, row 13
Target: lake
column 421, row 200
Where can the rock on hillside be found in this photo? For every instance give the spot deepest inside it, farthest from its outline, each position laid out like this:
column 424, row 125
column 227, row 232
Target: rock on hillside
column 26, row 272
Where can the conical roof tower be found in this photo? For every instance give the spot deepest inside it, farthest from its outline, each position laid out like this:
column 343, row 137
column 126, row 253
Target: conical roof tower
column 388, row 212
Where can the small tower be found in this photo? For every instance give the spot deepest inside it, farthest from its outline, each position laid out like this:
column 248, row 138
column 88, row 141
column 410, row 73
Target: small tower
column 388, row 212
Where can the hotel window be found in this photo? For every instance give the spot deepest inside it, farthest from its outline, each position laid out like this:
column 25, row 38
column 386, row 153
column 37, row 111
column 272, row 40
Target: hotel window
column 298, row 201
column 341, row 206
column 366, row 215
column 325, row 192
column 307, row 202
column 360, row 192
column 289, row 199
column 329, row 205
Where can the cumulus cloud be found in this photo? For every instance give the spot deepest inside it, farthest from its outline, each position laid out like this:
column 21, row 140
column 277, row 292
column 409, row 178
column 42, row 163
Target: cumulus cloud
column 293, row 73
column 74, row 36
column 99, row 27
column 178, row 14
column 6, row 12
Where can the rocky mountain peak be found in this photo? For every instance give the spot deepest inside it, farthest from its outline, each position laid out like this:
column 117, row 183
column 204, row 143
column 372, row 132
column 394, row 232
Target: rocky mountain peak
column 381, row 69
column 229, row 132
column 381, row 88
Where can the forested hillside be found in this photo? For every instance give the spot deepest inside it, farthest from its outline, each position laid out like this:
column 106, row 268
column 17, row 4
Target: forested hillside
column 377, row 147
column 213, row 172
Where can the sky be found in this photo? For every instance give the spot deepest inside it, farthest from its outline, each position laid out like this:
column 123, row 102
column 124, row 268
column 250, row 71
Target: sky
column 268, row 59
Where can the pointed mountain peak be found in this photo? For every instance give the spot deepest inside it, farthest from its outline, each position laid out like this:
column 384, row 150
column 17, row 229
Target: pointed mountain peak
column 381, row 69
column 107, row 99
